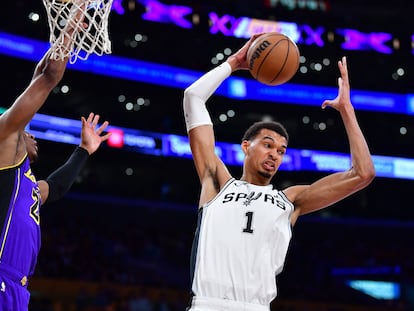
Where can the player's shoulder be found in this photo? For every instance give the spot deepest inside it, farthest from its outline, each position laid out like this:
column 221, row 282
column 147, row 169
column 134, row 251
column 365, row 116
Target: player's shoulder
column 292, row 192
column 13, row 150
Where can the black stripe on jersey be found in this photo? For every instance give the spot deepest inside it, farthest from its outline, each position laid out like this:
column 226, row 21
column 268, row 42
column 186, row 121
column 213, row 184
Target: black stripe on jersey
column 284, row 197
column 7, row 180
column 194, row 247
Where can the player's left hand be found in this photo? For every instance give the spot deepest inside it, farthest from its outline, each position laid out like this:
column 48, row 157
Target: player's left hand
column 343, row 97
column 91, row 135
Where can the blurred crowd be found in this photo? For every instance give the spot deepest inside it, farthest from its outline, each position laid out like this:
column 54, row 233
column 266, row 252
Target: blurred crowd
column 147, row 248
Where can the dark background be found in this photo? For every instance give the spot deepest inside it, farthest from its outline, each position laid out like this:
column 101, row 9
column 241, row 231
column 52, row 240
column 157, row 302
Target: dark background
column 156, row 206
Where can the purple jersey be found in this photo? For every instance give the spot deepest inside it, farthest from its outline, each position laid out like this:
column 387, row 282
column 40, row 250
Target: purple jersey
column 19, row 218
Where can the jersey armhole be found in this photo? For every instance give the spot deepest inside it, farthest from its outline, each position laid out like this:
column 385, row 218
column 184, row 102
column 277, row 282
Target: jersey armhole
column 226, row 185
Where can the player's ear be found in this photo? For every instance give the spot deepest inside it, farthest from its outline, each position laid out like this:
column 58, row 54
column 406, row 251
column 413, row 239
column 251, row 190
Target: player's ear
column 244, row 145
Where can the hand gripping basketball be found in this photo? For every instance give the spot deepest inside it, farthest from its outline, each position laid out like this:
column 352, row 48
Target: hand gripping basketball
column 273, row 58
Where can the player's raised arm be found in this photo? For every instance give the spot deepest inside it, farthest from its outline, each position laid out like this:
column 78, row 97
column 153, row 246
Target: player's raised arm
column 337, row 186
column 47, row 74
column 211, row 171
column 21, row 193
column 58, row 183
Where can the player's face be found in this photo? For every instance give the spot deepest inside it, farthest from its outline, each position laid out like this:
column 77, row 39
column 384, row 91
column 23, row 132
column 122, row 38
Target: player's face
column 265, row 153
column 31, row 146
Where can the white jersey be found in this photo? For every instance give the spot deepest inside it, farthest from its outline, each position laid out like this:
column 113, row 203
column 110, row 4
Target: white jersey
column 241, row 243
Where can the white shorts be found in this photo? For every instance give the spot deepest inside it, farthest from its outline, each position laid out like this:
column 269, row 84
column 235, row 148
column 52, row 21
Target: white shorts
column 214, row 304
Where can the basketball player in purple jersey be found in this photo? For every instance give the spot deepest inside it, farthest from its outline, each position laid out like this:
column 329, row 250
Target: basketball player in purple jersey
column 244, row 226
column 21, row 195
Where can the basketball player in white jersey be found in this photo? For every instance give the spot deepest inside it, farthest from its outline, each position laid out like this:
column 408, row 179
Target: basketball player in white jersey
column 244, row 226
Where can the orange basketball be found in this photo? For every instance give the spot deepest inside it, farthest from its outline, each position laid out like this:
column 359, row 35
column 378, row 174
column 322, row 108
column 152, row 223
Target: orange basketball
column 273, row 58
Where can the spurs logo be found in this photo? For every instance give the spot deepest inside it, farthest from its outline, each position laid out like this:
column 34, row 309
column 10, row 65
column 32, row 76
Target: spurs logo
column 251, row 197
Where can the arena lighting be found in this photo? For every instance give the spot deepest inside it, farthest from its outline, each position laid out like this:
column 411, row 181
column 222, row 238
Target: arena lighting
column 377, row 289
column 365, row 271
column 311, row 5
column 117, row 7
column 234, row 87
column 174, row 14
column 360, row 278
column 356, row 40
column 65, row 130
column 245, row 27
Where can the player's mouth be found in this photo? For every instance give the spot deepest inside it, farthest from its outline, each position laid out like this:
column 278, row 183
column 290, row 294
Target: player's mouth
column 269, row 165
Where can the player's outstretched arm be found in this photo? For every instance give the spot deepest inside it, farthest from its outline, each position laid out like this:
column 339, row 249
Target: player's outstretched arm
column 362, row 165
column 337, row 186
column 60, row 181
column 48, row 73
column 210, row 169
column 91, row 134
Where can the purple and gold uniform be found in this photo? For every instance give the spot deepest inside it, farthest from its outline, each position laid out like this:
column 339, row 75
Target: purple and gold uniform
column 20, row 233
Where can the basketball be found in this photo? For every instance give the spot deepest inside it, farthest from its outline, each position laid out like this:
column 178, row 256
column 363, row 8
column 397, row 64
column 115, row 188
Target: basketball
column 273, row 58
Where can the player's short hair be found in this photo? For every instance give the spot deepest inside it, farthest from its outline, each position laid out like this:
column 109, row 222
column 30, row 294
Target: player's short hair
column 256, row 127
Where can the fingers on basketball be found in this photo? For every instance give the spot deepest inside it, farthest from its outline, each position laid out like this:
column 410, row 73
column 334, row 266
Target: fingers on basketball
column 273, row 58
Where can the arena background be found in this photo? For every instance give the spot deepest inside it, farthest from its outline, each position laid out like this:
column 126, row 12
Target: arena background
column 125, row 229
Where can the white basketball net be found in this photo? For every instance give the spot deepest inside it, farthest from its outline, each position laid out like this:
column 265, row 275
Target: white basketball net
column 84, row 41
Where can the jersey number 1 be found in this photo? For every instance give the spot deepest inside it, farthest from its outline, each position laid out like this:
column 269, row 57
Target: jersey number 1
column 248, row 228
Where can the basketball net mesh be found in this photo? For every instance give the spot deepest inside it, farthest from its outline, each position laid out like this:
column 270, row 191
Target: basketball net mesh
column 94, row 39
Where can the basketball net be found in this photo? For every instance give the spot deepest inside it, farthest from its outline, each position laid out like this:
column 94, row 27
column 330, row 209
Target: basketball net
column 94, row 39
